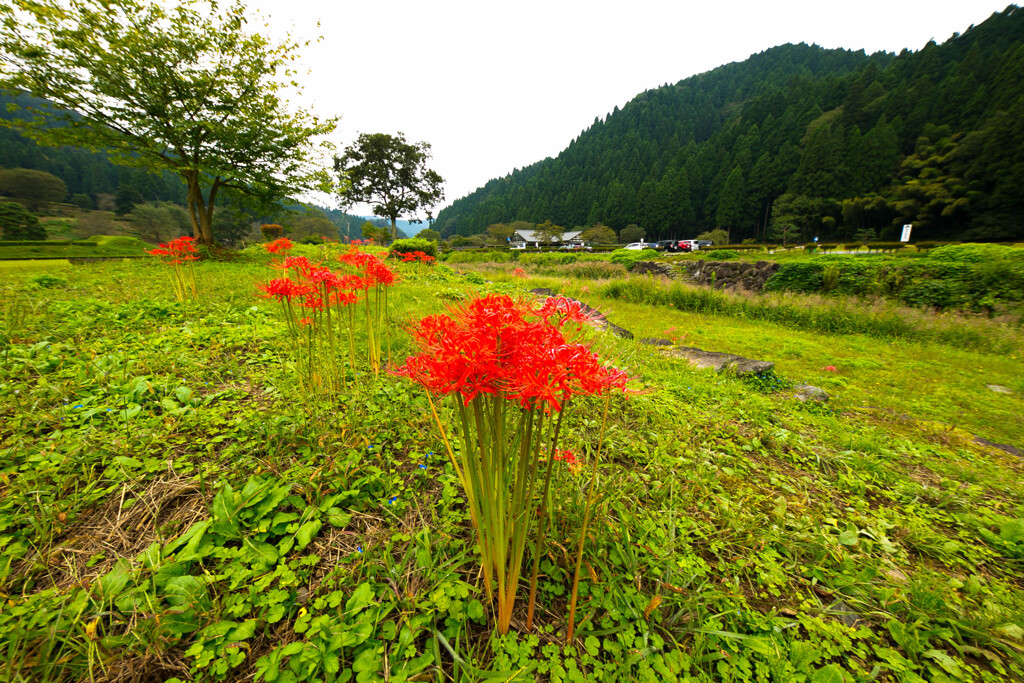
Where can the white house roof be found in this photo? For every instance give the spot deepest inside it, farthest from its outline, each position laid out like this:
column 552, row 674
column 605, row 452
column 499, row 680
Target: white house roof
column 531, row 235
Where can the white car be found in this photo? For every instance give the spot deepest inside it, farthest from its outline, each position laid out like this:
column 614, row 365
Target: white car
column 637, row 246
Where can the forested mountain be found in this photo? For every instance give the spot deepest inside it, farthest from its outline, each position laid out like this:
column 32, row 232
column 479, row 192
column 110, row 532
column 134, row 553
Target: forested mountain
column 85, row 172
column 822, row 142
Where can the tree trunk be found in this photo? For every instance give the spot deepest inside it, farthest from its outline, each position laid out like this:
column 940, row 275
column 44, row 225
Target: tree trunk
column 394, row 229
column 200, row 211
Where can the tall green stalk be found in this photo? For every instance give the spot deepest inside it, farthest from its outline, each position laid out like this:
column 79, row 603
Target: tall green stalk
column 586, row 522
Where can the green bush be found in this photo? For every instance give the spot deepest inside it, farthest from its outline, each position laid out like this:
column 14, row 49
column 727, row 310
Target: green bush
column 479, row 257
column 18, row 223
column 750, row 245
column 975, row 253
column 407, row 246
column 723, row 254
column 629, row 257
column 592, row 270
column 553, row 258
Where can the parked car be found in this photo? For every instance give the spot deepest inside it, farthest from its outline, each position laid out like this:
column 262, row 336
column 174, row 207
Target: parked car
column 699, row 244
column 672, row 246
column 637, row 246
column 577, row 247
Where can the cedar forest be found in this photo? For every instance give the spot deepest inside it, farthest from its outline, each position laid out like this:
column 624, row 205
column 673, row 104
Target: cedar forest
column 832, row 141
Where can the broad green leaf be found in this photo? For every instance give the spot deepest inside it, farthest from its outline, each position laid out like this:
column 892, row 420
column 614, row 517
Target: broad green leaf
column 307, row 532
column 848, row 537
column 261, row 552
column 828, row 674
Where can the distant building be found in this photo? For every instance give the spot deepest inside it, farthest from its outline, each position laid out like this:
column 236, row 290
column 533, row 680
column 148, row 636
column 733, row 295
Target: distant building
column 529, row 238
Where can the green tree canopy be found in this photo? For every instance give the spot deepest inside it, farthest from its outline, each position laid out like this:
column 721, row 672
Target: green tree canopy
column 548, row 232
column 33, row 188
column 498, row 233
column 390, row 174
column 17, row 223
column 631, row 233
column 183, row 88
column 429, row 235
column 599, row 234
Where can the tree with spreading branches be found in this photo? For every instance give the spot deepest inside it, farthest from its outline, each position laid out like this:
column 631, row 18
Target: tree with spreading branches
column 183, row 87
column 391, row 175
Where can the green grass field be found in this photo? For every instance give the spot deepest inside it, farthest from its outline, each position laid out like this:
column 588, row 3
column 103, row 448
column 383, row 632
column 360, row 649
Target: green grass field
column 174, row 504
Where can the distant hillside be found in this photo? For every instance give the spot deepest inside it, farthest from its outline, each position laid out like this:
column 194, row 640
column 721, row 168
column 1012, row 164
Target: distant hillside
column 84, row 172
column 822, row 142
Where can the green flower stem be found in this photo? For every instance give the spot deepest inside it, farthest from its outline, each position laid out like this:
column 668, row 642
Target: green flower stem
column 583, row 532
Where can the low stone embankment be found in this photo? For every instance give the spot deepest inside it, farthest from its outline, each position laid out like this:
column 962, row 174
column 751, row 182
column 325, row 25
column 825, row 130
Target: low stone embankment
column 731, row 274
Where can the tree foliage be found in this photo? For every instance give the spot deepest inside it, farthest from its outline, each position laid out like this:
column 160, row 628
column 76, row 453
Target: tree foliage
column 17, row 223
column 391, row 174
column 184, row 88
column 33, row 188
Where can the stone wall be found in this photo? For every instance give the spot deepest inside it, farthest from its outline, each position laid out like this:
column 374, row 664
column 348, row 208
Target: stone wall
column 731, row 274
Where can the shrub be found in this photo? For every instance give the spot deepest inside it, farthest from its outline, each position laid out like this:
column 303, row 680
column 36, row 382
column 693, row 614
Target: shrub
column 17, row 223
column 827, row 246
column 479, row 257
column 725, row 254
column 594, row 270
column 885, row 246
column 748, row 245
column 975, row 253
column 629, row 257
column 548, row 259
column 408, row 246
column 271, row 231
column 830, row 277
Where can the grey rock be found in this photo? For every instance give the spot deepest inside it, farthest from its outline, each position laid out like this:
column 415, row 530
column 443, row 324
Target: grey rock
column 720, row 362
column 654, row 341
column 809, row 392
column 844, row 613
column 1012, row 450
column 598, row 317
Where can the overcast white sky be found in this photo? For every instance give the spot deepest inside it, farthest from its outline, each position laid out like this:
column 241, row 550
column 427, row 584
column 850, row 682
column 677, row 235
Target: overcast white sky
column 497, row 86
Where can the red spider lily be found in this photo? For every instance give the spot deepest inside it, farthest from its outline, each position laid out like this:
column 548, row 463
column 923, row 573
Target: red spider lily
column 282, row 288
column 354, row 257
column 177, row 251
column 830, row 368
column 300, row 263
column 313, row 302
column 343, row 298
column 323, row 277
column 279, row 245
column 519, row 272
column 305, row 321
column 566, row 456
column 379, row 273
column 493, row 347
column 517, row 370
column 566, row 310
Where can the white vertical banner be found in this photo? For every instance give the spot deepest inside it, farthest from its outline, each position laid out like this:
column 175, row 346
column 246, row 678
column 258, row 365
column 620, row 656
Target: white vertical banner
column 905, row 237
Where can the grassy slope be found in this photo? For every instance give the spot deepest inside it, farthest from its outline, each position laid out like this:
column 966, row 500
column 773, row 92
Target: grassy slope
column 104, row 246
column 740, row 534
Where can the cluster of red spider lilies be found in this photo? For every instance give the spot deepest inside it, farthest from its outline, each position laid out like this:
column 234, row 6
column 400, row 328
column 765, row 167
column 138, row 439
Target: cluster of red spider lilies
column 176, row 254
column 320, row 309
column 510, row 371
